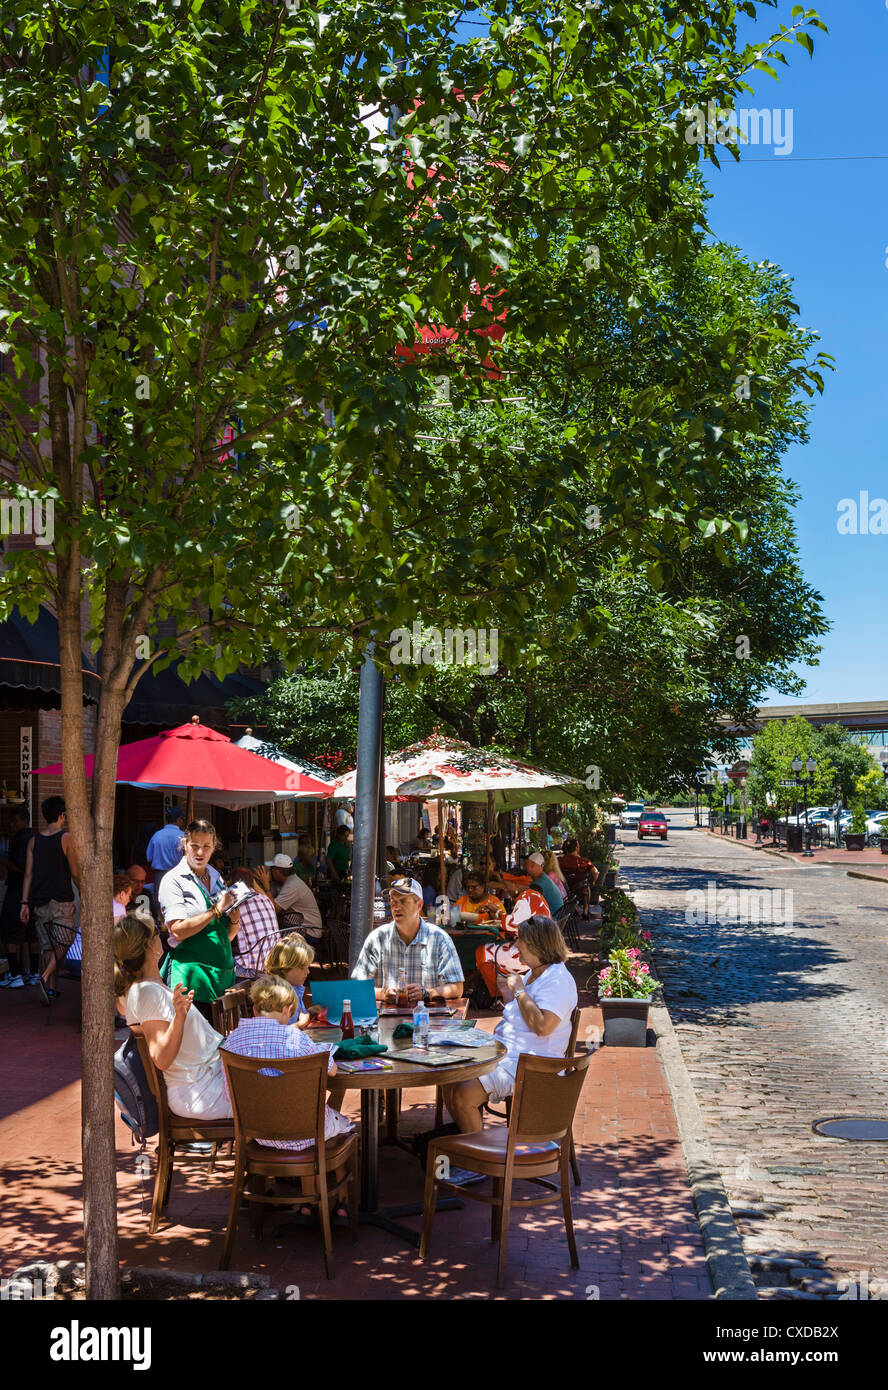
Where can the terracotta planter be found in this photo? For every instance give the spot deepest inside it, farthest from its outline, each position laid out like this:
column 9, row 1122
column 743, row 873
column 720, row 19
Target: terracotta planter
column 855, row 841
column 625, row 1022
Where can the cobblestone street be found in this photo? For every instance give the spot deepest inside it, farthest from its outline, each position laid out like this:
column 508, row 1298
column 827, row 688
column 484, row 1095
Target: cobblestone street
column 781, row 1021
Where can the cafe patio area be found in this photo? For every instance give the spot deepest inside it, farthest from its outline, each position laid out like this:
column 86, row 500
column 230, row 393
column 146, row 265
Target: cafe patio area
column 636, row 1229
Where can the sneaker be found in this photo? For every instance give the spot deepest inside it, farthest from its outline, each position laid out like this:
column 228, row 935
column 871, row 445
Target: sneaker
column 12, row 982
column 33, row 979
column 196, row 1147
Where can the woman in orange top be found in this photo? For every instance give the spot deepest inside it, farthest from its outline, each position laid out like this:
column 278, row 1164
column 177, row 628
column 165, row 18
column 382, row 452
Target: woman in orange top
column 476, row 899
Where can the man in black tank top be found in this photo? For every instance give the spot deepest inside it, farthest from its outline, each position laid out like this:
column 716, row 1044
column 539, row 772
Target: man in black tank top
column 51, row 871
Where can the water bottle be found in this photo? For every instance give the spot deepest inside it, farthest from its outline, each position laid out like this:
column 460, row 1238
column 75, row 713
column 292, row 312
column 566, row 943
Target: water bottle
column 421, row 1025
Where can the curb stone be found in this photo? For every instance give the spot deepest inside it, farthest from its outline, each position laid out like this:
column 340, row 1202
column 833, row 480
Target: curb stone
column 725, row 1256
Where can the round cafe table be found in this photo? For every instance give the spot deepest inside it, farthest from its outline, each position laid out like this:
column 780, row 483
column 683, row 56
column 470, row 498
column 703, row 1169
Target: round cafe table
column 400, row 1077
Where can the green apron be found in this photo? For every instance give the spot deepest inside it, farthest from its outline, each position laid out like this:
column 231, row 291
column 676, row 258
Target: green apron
column 204, row 962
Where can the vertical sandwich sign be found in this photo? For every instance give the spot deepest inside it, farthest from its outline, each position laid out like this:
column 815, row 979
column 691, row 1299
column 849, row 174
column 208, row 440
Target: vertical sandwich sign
column 26, row 763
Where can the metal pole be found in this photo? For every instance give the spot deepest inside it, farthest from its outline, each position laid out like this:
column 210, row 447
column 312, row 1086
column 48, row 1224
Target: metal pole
column 366, row 807
column 381, row 839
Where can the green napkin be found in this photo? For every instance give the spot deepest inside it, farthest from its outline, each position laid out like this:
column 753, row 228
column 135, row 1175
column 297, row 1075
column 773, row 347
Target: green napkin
column 403, row 1030
column 353, row 1051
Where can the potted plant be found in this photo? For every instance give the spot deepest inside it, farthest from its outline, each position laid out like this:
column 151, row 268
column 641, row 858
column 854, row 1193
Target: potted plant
column 883, row 836
column 625, row 986
column 856, row 835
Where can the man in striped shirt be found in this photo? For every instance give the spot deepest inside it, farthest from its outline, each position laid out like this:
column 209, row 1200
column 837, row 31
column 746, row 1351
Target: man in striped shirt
column 270, row 1034
column 424, row 952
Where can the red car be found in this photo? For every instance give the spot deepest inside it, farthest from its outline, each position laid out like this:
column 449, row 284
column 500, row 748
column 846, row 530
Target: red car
column 652, row 823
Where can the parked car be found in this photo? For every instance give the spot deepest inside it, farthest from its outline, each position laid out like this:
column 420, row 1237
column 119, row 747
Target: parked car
column 630, row 814
column 652, row 823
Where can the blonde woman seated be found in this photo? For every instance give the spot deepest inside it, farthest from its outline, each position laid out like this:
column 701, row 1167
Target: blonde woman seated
column 536, row 1019
column 181, row 1042
column 289, row 959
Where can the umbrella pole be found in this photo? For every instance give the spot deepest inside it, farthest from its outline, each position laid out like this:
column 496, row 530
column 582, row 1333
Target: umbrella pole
column 441, row 847
column 366, row 807
column 189, row 805
column 491, row 804
column 316, row 846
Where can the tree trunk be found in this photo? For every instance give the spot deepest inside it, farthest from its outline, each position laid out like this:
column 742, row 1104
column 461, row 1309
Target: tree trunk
column 91, row 822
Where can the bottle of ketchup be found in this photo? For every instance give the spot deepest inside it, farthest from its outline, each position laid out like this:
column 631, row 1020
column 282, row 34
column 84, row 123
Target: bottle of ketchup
column 347, row 1023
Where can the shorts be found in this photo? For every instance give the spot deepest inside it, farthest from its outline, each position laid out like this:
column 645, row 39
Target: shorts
column 500, row 1082
column 54, row 912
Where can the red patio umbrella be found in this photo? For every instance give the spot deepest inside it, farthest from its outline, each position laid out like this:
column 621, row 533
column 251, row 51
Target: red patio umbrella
column 193, row 758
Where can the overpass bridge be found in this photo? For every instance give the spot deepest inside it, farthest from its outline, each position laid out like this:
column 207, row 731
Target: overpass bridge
column 866, row 720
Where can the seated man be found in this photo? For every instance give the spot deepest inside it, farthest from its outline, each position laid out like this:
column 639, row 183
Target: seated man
column 424, row 952
column 535, row 865
column 573, row 865
column 293, row 895
column 258, row 926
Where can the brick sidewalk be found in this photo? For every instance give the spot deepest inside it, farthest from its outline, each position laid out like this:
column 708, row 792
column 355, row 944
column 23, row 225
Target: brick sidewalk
column 871, row 861
column 637, row 1233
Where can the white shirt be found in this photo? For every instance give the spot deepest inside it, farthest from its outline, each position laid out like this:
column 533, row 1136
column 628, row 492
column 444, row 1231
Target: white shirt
column 198, row 1057
column 555, row 992
column 345, row 818
column 296, row 896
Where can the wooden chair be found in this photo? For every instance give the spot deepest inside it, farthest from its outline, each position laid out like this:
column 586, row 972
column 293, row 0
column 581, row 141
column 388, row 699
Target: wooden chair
column 569, row 1051
column 284, row 1099
column 175, row 1129
column 535, row 1148
column 229, row 1009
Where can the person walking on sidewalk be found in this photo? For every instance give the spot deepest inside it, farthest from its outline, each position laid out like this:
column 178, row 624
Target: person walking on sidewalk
column 51, row 873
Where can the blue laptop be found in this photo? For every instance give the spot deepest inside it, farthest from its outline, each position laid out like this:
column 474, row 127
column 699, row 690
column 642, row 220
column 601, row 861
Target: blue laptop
column 330, row 994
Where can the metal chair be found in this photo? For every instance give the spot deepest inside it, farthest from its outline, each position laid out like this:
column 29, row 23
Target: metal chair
column 535, row 1148
column 175, row 1129
column 284, row 1099
column 62, row 936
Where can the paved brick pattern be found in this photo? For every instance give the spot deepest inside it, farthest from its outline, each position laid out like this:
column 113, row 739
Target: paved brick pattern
column 636, row 1230
column 781, row 1024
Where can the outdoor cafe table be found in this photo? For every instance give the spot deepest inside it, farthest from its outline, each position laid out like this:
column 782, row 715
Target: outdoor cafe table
column 400, row 1077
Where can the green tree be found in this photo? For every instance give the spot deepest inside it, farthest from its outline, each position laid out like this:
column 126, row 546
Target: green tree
column 200, row 234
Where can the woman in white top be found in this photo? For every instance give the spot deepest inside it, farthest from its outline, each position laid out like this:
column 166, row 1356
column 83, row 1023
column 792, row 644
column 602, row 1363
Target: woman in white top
column 181, row 1042
column 536, row 1019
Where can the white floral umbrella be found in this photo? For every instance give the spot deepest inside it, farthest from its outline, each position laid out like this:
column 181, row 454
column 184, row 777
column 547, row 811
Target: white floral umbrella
column 463, row 773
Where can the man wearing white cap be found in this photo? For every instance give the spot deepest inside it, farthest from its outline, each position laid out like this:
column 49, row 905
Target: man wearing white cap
column 294, row 895
column 535, row 867
column 424, row 952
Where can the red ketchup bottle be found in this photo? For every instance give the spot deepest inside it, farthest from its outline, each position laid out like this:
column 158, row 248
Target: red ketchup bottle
column 347, row 1023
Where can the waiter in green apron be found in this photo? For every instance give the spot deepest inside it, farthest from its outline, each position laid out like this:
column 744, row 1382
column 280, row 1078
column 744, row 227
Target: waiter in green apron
column 200, row 927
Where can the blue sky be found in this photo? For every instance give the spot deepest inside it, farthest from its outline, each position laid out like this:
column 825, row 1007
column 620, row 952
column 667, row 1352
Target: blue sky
column 820, row 211
column 823, row 218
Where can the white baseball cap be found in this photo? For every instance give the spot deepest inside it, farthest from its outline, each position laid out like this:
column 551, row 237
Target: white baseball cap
column 535, row 858
column 280, row 861
column 406, row 886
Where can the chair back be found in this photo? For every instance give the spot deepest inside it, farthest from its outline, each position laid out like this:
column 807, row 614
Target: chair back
column 228, row 1010
column 574, row 1033
column 544, row 1102
column 278, row 1098
column 156, row 1082
column 250, row 964
column 290, row 921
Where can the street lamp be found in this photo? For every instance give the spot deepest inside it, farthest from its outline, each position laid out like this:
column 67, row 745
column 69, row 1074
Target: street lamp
column 810, row 767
